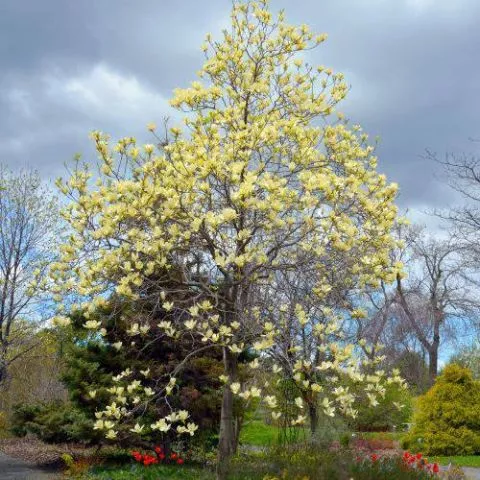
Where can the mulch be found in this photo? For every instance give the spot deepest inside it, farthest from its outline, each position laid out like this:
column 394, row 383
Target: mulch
column 36, row 452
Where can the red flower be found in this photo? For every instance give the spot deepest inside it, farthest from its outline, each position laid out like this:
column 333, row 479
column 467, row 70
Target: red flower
column 173, row 456
column 137, row 456
column 418, row 456
column 180, row 461
column 435, row 468
column 149, row 460
column 158, row 449
column 374, row 457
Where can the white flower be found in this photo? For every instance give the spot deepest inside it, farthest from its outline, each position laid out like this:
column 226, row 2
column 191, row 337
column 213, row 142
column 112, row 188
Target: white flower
column 190, row 324
column 254, row 364
column 271, row 401
column 235, row 387
column 137, row 428
column 133, row 386
column 255, row 392
column 133, row 330
column 144, row 329
column 161, row 425
column 149, row 392
column 61, row 321
column 299, row 402
column 182, row 415
column 92, row 324
column 300, row 420
column 98, row 425
column 167, row 306
column 111, row 435
column 372, row 399
column 117, row 345
column 191, row 428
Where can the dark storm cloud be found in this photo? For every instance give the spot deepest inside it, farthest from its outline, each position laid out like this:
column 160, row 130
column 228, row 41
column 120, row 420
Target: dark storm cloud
column 70, row 66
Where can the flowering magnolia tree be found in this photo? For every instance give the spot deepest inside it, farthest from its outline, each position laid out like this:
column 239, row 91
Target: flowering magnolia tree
column 265, row 178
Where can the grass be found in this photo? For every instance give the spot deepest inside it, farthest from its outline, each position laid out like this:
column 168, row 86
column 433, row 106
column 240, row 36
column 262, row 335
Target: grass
column 460, row 460
column 258, row 434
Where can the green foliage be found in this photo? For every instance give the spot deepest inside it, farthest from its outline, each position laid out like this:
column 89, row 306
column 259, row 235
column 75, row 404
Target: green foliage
column 386, row 416
column 55, row 422
column 447, row 420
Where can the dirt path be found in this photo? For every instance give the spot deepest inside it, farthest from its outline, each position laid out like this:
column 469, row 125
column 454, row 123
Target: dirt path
column 472, row 473
column 15, row 469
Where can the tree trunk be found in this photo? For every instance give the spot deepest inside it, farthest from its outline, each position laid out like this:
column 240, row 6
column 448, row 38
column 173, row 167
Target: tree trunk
column 433, row 362
column 4, row 373
column 227, row 444
column 313, row 414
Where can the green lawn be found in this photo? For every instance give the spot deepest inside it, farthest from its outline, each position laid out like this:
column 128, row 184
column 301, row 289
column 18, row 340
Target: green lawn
column 462, row 461
column 257, row 433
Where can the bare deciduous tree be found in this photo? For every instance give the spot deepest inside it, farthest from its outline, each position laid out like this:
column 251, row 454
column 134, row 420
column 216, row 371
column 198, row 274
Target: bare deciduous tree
column 431, row 303
column 28, row 227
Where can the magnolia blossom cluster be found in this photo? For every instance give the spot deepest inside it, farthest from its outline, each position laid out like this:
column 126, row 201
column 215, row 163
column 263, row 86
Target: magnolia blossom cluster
column 131, row 395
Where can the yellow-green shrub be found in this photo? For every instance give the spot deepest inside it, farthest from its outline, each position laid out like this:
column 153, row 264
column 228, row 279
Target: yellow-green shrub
column 447, row 419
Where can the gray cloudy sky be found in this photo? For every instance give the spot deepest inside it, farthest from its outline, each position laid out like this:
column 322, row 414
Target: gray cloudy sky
column 70, row 66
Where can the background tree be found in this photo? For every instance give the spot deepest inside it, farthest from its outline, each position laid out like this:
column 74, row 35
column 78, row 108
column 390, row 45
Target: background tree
column 468, row 357
column 434, row 302
column 35, row 375
column 462, row 174
column 28, row 230
column 268, row 179
column 436, row 295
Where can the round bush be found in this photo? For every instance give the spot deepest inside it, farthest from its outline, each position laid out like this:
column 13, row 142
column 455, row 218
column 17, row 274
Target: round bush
column 447, row 420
